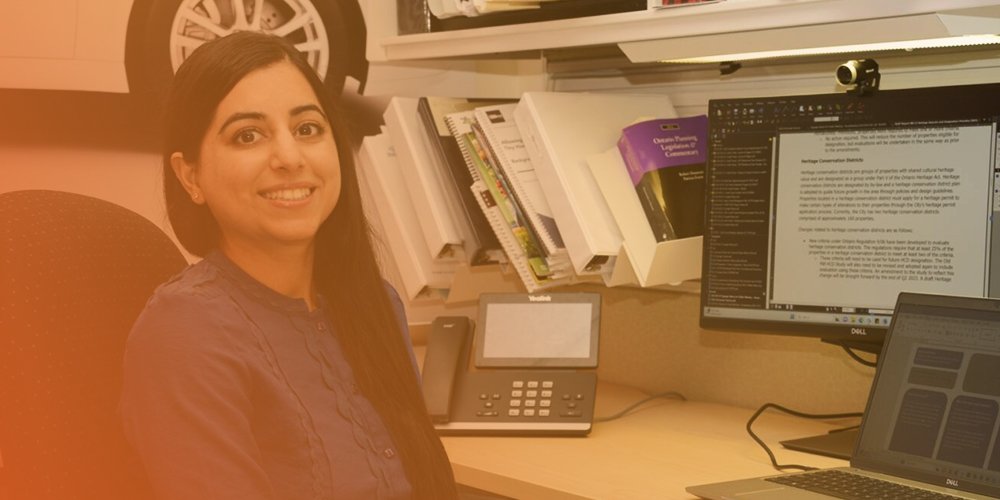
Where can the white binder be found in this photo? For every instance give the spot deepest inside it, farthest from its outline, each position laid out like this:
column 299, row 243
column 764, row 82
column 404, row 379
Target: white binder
column 560, row 130
column 384, row 187
column 424, row 180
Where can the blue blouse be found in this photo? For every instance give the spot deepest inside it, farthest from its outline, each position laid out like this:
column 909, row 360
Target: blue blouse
column 234, row 391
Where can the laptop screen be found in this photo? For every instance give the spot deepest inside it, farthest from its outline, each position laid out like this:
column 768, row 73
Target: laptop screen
column 933, row 411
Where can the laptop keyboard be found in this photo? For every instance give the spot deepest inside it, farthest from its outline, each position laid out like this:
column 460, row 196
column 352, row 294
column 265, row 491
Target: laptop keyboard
column 849, row 486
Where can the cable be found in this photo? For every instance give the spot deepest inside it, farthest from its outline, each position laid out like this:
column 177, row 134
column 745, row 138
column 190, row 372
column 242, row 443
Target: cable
column 850, row 352
column 850, row 346
column 770, row 454
column 669, row 394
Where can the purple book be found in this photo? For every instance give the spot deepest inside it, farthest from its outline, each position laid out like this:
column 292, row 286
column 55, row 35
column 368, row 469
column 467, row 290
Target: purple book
column 666, row 158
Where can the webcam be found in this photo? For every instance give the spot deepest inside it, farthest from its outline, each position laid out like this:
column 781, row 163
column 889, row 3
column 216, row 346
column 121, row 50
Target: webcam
column 861, row 73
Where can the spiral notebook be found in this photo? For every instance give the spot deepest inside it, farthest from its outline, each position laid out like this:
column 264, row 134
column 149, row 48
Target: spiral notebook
column 505, row 142
column 532, row 282
column 506, row 217
column 444, row 148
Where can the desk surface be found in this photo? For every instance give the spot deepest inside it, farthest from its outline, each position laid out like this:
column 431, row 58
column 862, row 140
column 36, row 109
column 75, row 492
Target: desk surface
column 654, row 452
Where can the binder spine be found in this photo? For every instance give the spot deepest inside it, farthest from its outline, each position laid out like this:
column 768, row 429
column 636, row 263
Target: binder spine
column 378, row 173
column 426, row 188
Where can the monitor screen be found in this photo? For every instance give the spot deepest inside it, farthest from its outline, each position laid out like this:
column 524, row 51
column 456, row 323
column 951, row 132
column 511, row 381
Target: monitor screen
column 820, row 209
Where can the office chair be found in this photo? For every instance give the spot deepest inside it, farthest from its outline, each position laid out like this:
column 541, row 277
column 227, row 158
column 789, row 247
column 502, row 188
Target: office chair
column 75, row 272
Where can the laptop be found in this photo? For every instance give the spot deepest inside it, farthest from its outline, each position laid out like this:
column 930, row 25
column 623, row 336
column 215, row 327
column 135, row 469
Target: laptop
column 932, row 417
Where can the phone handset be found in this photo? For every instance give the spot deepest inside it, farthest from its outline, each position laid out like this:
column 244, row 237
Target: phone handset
column 444, row 360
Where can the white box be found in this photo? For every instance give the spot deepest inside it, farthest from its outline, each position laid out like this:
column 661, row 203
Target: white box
column 560, row 130
column 653, row 263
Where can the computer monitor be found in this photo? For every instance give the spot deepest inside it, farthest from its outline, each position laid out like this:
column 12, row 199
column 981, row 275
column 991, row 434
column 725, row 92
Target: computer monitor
column 820, row 209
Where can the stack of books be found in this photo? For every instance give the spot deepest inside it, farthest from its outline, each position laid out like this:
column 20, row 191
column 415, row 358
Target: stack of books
column 538, row 188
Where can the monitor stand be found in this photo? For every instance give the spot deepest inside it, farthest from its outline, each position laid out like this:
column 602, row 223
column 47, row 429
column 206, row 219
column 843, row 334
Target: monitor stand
column 838, row 443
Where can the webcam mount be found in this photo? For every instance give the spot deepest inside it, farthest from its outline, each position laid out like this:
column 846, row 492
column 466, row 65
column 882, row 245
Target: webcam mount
column 862, row 74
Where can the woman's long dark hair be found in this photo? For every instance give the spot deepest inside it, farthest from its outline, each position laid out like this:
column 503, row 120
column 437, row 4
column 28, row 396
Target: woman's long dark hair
column 346, row 270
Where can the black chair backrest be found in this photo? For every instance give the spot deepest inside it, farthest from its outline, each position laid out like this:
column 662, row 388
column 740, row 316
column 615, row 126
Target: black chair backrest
column 75, row 272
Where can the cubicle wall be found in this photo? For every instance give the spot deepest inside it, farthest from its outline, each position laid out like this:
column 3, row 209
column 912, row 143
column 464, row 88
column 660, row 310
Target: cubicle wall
column 650, row 337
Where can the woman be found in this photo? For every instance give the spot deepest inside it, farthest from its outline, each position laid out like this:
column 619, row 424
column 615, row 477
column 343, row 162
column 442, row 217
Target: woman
column 279, row 365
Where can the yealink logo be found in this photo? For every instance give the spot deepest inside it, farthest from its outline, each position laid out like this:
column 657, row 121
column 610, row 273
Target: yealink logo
column 539, row 298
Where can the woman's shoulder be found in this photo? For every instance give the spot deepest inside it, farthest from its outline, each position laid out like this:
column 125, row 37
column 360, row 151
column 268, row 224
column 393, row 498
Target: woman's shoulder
column 196, row 287
column 195, row 302
column 187, row 342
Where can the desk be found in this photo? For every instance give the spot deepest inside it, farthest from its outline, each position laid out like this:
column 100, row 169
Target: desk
column 654, row 452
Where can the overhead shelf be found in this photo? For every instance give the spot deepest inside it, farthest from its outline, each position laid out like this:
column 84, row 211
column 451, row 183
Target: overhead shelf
column 657, row 35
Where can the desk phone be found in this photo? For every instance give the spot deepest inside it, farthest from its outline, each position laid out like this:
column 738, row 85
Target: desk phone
column 534, row 359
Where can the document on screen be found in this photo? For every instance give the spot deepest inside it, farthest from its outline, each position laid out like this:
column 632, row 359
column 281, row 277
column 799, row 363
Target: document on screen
column 876, row 212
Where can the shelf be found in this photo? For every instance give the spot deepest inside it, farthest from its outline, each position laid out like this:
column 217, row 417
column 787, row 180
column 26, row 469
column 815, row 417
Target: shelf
column 726, row 17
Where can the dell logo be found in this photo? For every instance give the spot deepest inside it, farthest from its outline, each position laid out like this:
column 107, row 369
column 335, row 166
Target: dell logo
column 859, row 331
column 539, row 298
column 951, row 482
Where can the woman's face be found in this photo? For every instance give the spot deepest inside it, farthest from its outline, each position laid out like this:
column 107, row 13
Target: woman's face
column 268, row 166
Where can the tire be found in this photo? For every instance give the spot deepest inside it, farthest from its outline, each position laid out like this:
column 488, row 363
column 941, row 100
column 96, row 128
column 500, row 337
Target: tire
column 163, row 32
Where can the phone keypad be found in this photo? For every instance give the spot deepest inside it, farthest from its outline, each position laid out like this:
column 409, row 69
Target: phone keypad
column 532, row 399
